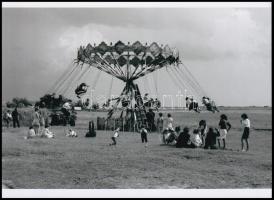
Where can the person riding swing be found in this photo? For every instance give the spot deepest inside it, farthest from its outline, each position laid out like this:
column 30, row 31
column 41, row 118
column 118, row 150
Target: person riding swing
column 210, row 104
column 81, row 89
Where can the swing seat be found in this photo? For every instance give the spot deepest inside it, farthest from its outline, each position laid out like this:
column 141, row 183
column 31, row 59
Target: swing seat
column 81, row 89
column 125, row 103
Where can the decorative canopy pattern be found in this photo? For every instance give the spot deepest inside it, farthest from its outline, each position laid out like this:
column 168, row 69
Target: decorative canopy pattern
column 127, row 62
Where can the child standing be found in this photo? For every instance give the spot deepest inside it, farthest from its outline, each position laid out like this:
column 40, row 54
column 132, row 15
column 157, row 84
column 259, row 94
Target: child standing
column 115, row 135
column 246, row 124
column 143, row 134
column 224, row 126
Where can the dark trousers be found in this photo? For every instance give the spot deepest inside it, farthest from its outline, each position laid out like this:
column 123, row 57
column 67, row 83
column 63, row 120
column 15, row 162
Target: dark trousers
column 114, row 141
column 144, row 137
column 16, row 123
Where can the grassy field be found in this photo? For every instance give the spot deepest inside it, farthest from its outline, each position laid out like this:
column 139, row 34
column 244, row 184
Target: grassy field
column 82, row 163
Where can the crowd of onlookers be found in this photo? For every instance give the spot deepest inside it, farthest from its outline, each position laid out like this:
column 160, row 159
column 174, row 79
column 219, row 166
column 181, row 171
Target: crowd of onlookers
column 203, row 135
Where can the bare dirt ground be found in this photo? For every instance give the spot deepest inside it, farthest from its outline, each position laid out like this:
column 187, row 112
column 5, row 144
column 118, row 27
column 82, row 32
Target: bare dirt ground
column 68, row 163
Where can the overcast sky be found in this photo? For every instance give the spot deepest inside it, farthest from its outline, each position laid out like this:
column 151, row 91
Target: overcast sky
column 228, row 50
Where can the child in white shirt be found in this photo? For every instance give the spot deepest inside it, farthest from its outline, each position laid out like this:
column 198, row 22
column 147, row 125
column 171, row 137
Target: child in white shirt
column 143, row 132
column 195, row 139
column 71, row 133
column 115, row 135
column 47, row 133
column 31, row 133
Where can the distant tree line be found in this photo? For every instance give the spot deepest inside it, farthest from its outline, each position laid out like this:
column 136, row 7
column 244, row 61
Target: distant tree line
column 51, row 102
column 19, row 102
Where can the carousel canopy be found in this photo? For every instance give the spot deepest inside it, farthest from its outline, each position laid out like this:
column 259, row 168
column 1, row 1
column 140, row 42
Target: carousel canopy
column 127, row 61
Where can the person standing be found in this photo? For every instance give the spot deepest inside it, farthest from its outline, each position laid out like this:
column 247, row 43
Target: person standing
column 160, row 123
column 224, row 126
column 15, row 118
column 36, row 121
column 43, row 116
column 246, row 124
column 150, row 119
column 7, row 118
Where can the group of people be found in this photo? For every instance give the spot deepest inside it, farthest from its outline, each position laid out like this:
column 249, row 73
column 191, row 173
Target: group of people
column 40, row 123
column 150, row 102
column 12, row 116
column 192, row 104
column 204, row 136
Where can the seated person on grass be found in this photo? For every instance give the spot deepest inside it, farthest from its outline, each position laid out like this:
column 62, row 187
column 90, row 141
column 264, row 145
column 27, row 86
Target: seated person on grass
column 71, row 133
column 211, row 138
column 195, row 139
column 31, row 133
column 47, row 133
column 183, row 140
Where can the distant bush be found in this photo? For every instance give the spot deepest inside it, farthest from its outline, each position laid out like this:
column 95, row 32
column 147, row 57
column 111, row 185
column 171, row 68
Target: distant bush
column 49, row 101
column 19, row 102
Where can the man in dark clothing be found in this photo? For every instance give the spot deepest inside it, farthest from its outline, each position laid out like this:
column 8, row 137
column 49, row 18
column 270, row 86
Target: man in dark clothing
column 211, row 137
column 150, row 119
column 15, row 118
column 183, row 139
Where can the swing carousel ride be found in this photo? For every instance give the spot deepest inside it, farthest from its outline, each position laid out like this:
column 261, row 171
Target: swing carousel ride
column 129, row 63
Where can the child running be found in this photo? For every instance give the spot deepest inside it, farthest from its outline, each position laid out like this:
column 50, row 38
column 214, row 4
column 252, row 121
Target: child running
column 246, row 124
column 115, row 135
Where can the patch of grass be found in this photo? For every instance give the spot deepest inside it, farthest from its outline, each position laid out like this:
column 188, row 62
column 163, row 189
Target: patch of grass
column 68, row 163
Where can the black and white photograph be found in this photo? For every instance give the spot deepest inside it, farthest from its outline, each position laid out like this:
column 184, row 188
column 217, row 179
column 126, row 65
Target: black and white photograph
column 136, row 99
